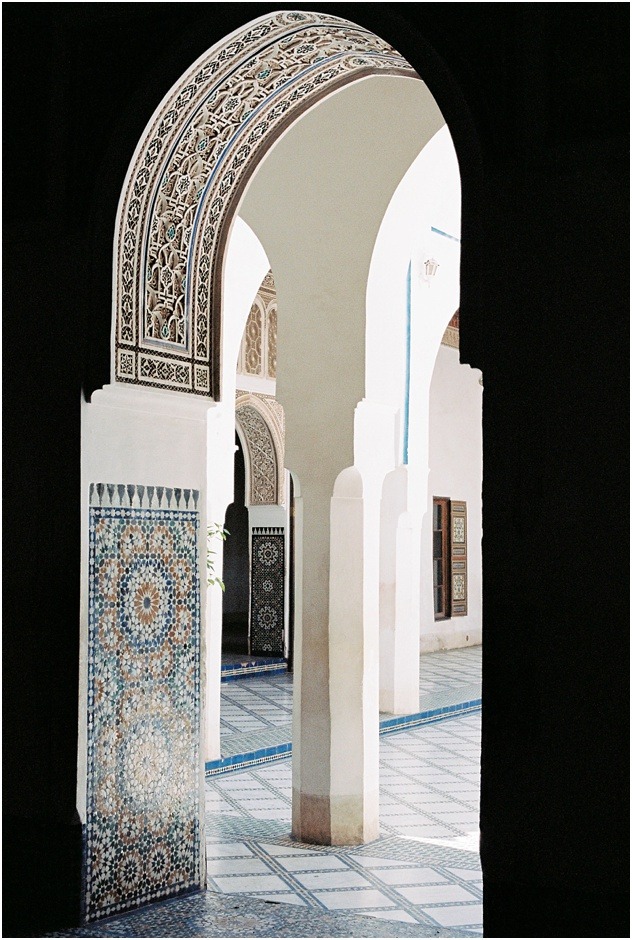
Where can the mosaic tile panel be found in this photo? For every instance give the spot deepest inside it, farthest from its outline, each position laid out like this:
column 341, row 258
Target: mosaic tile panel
column 143, row 723
column 267, row 591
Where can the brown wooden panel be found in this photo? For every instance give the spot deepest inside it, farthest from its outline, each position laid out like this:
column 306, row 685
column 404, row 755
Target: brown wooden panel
column 458, row 553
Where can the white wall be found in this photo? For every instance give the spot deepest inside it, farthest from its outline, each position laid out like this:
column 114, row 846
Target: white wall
column 456, row 468
column 428, row 198
column 245, row 266
column 429, row 195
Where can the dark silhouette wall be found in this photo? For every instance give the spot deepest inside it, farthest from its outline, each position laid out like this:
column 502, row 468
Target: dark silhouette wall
column 536, row 99
column 236, row 564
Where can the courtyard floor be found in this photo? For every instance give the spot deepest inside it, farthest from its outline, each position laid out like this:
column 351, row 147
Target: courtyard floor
column 420, row 878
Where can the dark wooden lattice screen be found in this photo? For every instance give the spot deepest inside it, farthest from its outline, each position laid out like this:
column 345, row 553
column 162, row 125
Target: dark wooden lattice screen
column 267, row 606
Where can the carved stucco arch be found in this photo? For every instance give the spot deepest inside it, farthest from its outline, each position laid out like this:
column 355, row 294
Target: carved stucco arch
column 260, row 422
column 189, row 173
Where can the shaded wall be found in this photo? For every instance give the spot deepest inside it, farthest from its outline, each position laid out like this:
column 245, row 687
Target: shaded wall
column 456, row 467
column 236, row 562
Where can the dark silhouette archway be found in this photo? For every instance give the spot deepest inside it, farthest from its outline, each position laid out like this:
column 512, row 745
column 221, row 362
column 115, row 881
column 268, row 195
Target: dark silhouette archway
column 532, row 97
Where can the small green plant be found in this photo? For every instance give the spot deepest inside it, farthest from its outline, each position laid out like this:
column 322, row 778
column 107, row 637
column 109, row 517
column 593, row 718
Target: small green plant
column 214, row 531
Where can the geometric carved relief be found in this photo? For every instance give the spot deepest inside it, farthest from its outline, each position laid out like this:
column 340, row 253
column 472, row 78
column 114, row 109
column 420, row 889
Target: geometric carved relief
column 267, row 591
column 458, row 562
column 257, row 354
column 272, row 342
column 262, row 422
column 197, row 154
column 143, row 723
column 251, row 344
column 261, row 454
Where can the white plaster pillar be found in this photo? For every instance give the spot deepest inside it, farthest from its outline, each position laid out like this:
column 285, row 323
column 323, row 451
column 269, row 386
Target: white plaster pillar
column 353, row 673
column 298, row 655
column 399, row 599
column 220, row 493
column 316, row 203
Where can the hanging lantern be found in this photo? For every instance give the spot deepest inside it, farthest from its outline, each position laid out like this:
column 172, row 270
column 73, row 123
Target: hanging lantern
column 431, row 265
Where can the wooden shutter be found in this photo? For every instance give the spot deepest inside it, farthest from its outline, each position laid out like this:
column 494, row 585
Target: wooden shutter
column 458, row 554
column 441, row 557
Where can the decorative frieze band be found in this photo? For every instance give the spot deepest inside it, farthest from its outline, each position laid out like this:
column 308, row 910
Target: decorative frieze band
column 450, row 337
column 135, row 496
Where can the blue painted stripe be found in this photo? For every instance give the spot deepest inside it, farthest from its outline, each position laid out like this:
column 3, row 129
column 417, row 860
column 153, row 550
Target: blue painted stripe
column 407, row 390
column 250, row 759
column 251, row 673
column 438, row 231
column 254, row 663
column 232, row 671
column 387, row 725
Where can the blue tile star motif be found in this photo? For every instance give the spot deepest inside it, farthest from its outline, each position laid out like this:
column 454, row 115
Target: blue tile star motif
column 143, row 799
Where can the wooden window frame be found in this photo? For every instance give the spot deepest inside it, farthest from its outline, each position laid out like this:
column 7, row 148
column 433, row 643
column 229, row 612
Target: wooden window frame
column 453, row 531
column 441, row 535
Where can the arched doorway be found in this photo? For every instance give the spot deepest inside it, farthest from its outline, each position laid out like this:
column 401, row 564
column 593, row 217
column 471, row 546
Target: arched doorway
column 236, row 566
column 174, row 333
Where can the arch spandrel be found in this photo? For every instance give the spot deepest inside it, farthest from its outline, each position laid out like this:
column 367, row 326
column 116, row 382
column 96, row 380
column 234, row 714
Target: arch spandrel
column 190, row 171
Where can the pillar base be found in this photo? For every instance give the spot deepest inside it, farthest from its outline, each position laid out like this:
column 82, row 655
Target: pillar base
column 321, row 820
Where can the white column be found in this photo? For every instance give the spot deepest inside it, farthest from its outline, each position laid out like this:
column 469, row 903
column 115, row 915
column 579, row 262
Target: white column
column 220, row 493
column 353, row 673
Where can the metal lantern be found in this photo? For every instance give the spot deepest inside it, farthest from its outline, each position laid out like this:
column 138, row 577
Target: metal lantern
column 431, row 265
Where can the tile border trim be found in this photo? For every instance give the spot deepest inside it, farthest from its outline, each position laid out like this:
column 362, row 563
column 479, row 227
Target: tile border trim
column 387, row 726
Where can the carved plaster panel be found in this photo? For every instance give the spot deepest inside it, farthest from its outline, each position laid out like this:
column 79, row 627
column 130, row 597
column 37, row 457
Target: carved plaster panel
column 450, row 338
column 262, row 421
column 258, row 350
column 189, row 173
column 451, row 335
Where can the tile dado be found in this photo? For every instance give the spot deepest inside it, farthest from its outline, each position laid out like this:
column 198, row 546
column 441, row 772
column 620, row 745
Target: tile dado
column 143, row 837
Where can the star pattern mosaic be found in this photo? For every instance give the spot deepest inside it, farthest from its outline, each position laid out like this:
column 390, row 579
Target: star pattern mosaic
column 143, row 723
column 268, row 592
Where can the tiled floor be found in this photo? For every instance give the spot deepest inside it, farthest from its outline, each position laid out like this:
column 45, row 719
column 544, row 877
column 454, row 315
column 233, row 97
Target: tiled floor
column 421, row 878
column 256, row 711
column 423, row 870
column 256, row 704
column 208, row 914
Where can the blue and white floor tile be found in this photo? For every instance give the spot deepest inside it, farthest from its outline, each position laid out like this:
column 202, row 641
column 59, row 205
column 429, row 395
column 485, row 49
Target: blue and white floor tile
column 256, row 710
column 423, row 870
column 421, row 878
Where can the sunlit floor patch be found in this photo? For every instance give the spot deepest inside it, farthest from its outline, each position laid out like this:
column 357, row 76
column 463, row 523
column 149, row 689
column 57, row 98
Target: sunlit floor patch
column 425, row 867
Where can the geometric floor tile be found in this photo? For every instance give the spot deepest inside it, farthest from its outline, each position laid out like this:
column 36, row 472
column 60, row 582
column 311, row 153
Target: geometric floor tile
column 354, row 900
column 246, row 883
column 466, row 914
column 408, row 876
column 420, row 878
column 436, row 894
column 424, row 869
